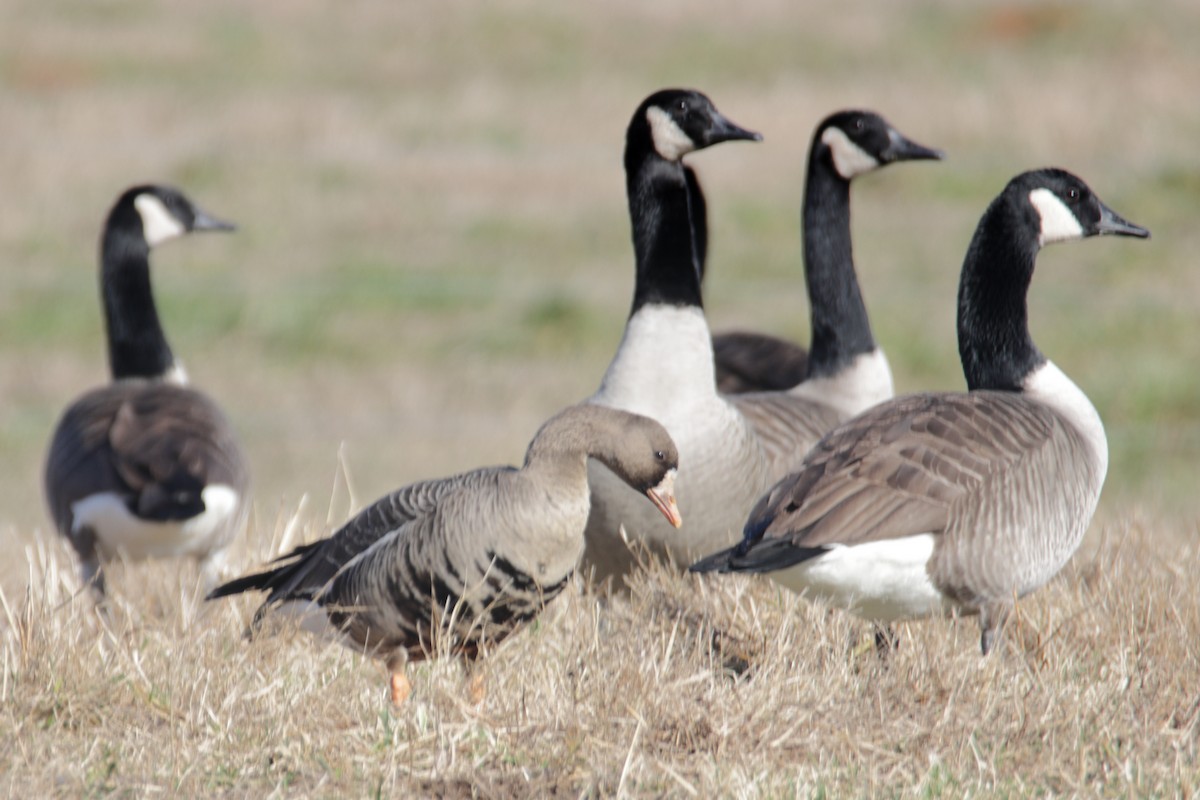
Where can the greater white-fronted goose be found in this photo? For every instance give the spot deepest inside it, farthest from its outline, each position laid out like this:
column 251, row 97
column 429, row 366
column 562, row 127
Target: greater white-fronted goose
column 457, row 564
column 845, row 145
column 953, row 502
column 145, row 466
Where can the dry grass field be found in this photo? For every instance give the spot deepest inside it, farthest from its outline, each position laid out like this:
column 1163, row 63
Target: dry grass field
column 434, row 257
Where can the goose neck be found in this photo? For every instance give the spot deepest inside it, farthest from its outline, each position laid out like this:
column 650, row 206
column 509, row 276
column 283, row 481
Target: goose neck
column 562, row 445
column 659, row 209
column 137, row 346
column 994, row 343
column 840, row 327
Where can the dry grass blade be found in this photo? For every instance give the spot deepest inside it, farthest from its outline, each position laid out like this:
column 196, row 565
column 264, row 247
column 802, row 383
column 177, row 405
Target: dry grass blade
column 625, row 695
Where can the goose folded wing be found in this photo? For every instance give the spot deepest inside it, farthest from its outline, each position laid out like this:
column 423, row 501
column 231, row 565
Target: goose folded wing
column 306, row 570
column 78, row 463
column 785, row 426
column 166, row 445
column 751, row 362
column 897, row 470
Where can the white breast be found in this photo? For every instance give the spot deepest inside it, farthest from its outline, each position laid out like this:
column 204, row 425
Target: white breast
column 664, row 370
column 664, row 365
column 1050, row 385
column 866, row 382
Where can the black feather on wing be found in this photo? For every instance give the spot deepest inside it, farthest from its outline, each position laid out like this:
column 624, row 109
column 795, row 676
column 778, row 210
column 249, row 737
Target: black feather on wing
column 753, row 362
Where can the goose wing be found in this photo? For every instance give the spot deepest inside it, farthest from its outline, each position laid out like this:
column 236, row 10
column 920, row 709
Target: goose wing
column 156, row 446
column 897, row 470
column 454, row 571
column 305, row 572
column 753, row 362
column 786, row 426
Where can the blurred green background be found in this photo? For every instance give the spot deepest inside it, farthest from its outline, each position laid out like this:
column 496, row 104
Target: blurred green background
column 434, row 249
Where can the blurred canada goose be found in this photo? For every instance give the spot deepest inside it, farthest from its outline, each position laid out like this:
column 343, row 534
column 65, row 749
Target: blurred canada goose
column 845, row 145
column 953, row 502
column 465, row 560
column 145, row 465
column 733, row 448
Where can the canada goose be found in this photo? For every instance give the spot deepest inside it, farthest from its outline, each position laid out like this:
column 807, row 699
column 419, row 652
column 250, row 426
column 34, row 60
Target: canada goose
column 845, row 145
column 145, row 465
column 733, row 448
column 953, row 502
column 473, row 556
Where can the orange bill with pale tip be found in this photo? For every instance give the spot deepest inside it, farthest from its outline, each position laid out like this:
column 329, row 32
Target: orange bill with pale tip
column 663, row 497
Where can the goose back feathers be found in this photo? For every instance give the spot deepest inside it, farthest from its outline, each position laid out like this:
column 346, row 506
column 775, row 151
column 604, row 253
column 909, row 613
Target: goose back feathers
column 145, row 466
column 952, row 501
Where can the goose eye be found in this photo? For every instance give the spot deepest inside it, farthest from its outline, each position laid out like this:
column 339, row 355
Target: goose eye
column 858, row 124
column 660, row 455
column 683, row 106
column 1073, row 193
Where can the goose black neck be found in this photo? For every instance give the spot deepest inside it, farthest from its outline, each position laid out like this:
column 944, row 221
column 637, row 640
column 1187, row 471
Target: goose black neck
column 698, row 208
column 994, row 344
column 840, row 328
column 659, row 211
column 137, row 347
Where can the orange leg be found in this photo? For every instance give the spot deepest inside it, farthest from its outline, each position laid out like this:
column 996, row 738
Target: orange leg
column 401, row 688
column 477, row 688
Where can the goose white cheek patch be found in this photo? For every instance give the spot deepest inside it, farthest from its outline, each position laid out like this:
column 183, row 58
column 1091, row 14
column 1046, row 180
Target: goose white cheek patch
column 669, row 139
column 158, row 224
column 848, row 158
column 1059, row 223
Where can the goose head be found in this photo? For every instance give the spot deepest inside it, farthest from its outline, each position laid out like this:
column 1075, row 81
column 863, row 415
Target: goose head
column 860, row 141
column 674, row 122
column 156, row 214
column 642, row 454
column 1065, row 208
column 1035, row 208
